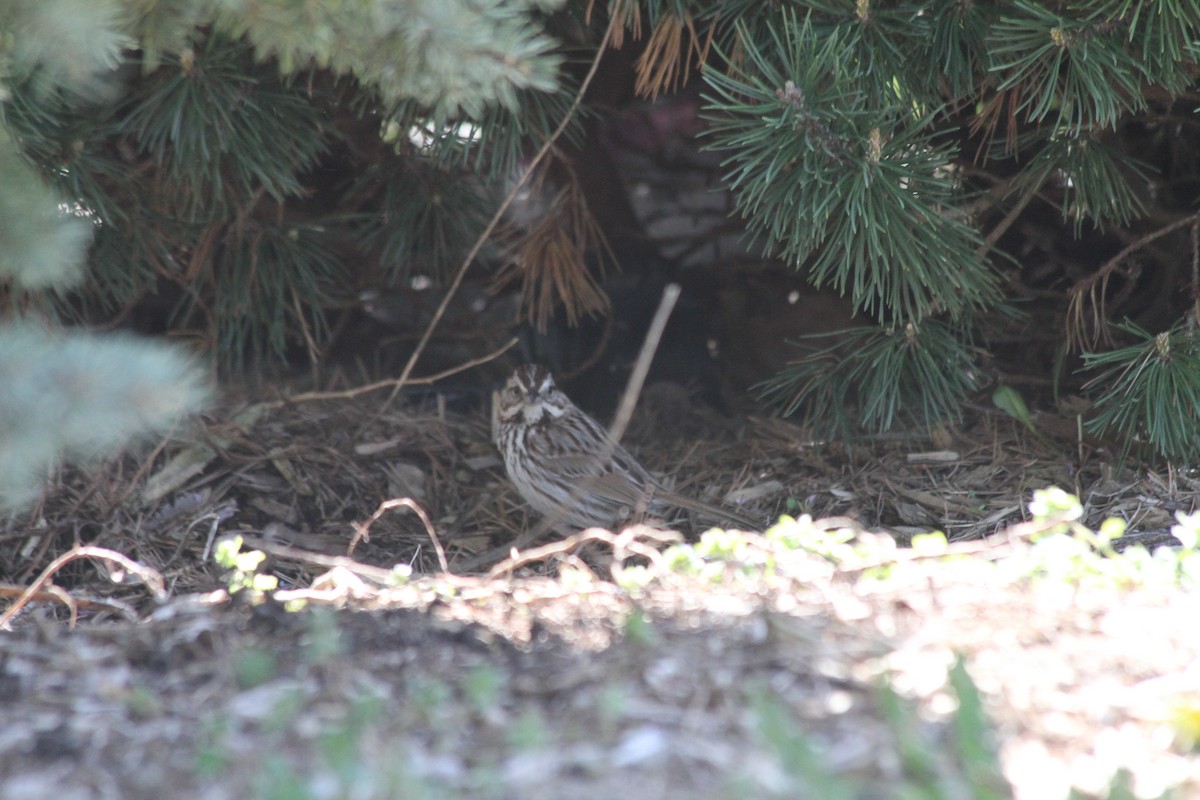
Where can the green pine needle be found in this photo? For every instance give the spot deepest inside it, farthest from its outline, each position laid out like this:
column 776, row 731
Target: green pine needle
column 919, row 375
column 1150, row 391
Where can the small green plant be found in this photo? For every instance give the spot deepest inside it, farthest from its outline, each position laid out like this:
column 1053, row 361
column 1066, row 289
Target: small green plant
column 345, row 761
column 212, row 754
column 142, row 703
column 1067, row 550
column 963, row 764
column 1010, row 401
column 719, row 553
column 1060, row 548
column 1188, row 529
column 802, row 533
column 279, row 780
column 795, row 507
column 1185, row 720
column 529, row 731
column 612, row 705
column 974, row 739
column 342, row 742
column 634, row 579
column 324, row 641
column 483, row 688
column 784, row 736
column 243, row 566
column 967, row 768
column 639, row 629
column 254, row 666
column 431, row 700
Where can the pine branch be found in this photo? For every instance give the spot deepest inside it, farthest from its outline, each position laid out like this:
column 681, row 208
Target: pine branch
column 1096, row 178
column 449, row 55
column 221, row 129
column 62, row 45
column 1074, row 72
column 1150, row 391
column 40, row 246
column 877, row 377
column 813, row 170
column 78, row 396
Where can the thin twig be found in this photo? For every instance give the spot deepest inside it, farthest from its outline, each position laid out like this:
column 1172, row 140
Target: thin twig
column 641, row 367
column 151, row 578
column 1083, row 285
column 1080, row 288
column 425, row 381
column 1002, row 227
column 369, row 571
column 1195, row 270
column 362, row 531
column 491, row 226
column 626, row 542
column 55, row 593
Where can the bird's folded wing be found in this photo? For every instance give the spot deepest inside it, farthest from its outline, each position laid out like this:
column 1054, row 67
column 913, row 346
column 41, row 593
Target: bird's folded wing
column 619, row 463
column 617, row 488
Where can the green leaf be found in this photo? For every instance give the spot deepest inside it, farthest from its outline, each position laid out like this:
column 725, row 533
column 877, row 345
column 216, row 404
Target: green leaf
column 1009, row 401
column 226, row 552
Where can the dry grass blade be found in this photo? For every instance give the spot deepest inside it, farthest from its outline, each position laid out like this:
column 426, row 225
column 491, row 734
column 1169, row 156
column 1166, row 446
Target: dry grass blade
column 667, row 60
column 641, row 367
column 550, row 261
column 625, row 12
column 1001, row 106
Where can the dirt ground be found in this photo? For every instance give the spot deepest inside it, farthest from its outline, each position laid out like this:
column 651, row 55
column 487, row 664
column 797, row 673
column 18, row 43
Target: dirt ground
column 535, row 673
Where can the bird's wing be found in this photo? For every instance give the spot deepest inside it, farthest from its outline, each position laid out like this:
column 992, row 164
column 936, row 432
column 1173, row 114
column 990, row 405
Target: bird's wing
column 619, row 478
column 582, row 465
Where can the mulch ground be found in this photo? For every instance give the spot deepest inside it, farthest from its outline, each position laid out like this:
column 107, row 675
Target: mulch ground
column 540, row 677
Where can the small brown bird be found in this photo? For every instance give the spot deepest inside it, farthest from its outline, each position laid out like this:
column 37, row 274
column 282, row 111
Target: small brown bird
column 565, row 465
